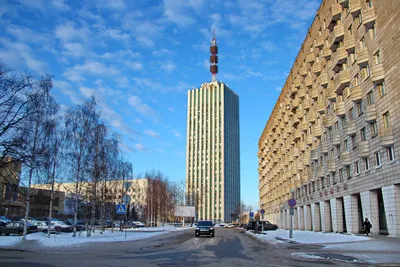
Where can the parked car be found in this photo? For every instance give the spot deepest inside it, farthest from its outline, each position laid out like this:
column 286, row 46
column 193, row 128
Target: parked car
column 64, row 227
column 17, row 228
column 79, row 225
column 4, row 220
column 267, row 226
column 204, row 228
column 229, row 225
column 139, row 224
column 44, row 227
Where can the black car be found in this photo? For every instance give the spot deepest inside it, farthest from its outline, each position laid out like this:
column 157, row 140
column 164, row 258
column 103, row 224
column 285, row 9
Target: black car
column 205, row 228
column 267, row 226
column 17, row 228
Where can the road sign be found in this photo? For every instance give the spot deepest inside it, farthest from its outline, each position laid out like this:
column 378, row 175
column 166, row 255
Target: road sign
column 120, row 209
column 292, row 202
column 126, row 199
column 262, row 211
column 291, row 211
column 251, row 214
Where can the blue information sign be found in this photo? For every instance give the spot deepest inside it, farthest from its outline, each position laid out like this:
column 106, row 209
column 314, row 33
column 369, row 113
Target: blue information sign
column 251, row 214
column 120, row 209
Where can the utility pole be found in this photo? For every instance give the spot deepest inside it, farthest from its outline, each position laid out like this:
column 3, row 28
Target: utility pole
column 292, row 203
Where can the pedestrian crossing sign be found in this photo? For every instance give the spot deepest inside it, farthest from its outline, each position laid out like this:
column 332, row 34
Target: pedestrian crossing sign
column 120, row 209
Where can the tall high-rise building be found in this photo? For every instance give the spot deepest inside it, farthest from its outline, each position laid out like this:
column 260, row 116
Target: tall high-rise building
column 332, row 141
column 213, row 149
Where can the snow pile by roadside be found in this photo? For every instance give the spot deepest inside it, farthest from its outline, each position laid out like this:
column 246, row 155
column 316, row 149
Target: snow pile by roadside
column 168, row 228
column 307, row 237
column 66, row 239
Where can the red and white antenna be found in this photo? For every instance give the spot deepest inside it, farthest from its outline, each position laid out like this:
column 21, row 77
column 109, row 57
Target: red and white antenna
column 214, row 58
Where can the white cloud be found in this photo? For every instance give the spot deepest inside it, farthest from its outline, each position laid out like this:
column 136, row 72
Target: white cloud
column 171, row 109
column 66, row 89
column 116, row 4
column 160, row 52
column 121, row 81
column 141, row 147
column 138, row 121
column 177, row 12
column 90, row 68
column 34, row 4
column 118, row 35
column 68, row 32
column 60, row 5
column 25, row 34
column 176, row 133
column 152, row 133
column 75, row 50
column 168, row 66
column 268, row 46
column 141, row 107
column 135, row 65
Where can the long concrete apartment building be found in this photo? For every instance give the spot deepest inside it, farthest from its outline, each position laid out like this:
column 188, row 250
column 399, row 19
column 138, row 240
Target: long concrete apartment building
column 332, row 140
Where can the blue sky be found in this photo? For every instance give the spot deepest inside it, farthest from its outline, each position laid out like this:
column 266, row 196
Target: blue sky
column 139, row 58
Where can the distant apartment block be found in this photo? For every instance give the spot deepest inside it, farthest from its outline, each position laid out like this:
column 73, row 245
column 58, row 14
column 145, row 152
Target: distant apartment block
column 333, row 136
column 213, row 152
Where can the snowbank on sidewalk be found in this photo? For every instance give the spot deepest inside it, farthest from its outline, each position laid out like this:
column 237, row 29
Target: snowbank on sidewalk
column 307, row 237
column 66, row 239
column 168, row 228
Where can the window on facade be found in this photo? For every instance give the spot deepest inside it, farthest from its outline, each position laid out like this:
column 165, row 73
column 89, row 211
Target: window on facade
column 346, row 145
column 370, row 98
column 350, row 30
column 381, row 89
column 377, row 57
column 390, row 153
column 386, row 120
column 357, row 167
column 374, row 129
column 366, row 164
column 365, row 72
column 356, row 80
column 341, row 175
column 368, row 3
column 348, row 172
column 372, row 32
column 362, row 43
column 351, row 114
column 354, row 142
column 360, row 108
column 378, row 159
column 363, row 134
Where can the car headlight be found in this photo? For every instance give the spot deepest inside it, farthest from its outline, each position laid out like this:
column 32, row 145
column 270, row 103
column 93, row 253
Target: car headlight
column 211, row 229
column 197, row 228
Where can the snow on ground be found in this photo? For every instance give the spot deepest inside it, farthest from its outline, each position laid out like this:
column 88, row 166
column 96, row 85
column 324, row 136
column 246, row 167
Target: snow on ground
column 66, row 239
column 308, row 237
column 168, row 228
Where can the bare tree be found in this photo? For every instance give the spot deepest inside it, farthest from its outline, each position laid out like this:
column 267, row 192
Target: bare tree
column 79, row 125
column 42, row 108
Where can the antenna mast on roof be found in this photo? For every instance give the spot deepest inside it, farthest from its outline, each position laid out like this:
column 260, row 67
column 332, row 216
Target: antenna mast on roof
column 214, row 58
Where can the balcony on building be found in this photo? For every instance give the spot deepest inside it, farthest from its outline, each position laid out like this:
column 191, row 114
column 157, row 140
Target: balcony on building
column 297, row 135
column 295, row 102
column 369, row 16
column 386, row 136
column 331, row 166
column 316, row 67
column 334, row 14
column 306, row 160
column 324, row 148
column 302, row 146
column 331, row 94
column 329, row 120
column 299, row 114
column 355, row 7
column 297, row 83
column 309, row 139
column 293, row 89
column 302, row 92
column 285, row 118
column 308, row 82
column 319, row 41
column 362, row 56
column 312, row 116
column 314, row 93
column 327, row 53
column 296, row 152
column 335, row 138
column 377, row 73
column 288, row 101
column 304, row 126
column 363, row 149
column 345, row 158
column 356, row 94
column 317, row 130
column 314, row 154
column 341, row 81
column 349, row 43
column 300, row 165
column 306, row 104
column 344, row 3
column 336, row 35
column 323, row 79
column 351, row 129
column 370, row 113
column 340, row 109
column 295, row 120
column 338, row 58
column 310, row 57
column 320, row 172
column 303, row 71
column 321, row 106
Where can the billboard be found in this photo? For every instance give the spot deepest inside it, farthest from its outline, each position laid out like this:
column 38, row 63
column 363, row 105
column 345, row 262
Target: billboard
column 185, row 211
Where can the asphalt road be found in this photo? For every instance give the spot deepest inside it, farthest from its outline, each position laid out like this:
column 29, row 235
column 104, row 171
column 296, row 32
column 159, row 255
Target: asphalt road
column 230, row 247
